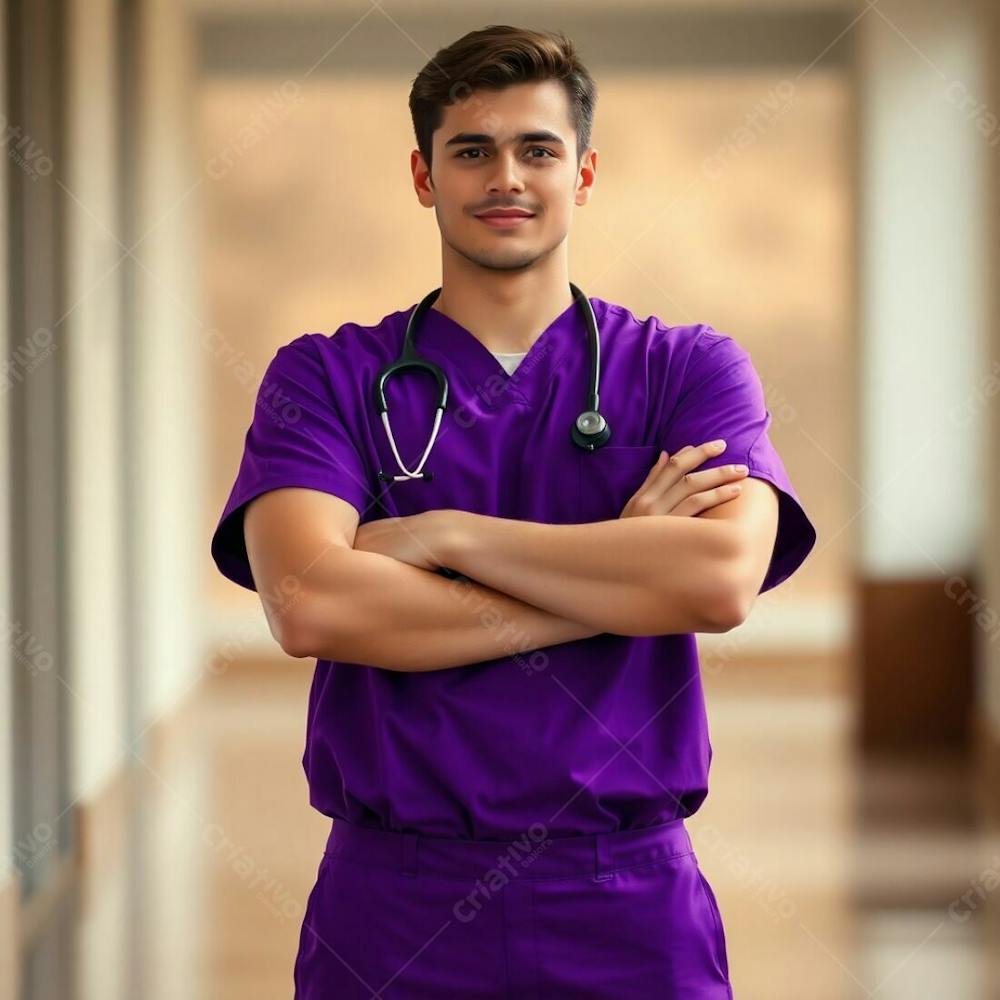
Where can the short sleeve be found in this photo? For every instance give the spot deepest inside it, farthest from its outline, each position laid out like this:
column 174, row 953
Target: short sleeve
column 722, row 397
column 297, row 437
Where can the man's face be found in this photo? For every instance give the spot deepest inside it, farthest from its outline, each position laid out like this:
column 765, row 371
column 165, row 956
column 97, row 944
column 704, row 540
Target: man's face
column 483, row 160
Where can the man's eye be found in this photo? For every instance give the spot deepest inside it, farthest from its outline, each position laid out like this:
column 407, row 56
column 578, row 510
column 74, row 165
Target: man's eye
column 462, row 155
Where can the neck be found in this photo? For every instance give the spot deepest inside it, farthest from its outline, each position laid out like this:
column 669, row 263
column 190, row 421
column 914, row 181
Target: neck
column 506, row 311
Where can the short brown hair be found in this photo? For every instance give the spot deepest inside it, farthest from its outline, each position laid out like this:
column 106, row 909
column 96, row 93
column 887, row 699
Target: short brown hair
column 493, row 58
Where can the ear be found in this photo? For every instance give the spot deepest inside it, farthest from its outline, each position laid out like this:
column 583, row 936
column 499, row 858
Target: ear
column 586, row 177
column 422, row 182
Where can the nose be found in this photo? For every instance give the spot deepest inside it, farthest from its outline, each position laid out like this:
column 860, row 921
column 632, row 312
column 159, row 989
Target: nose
column 506, row 174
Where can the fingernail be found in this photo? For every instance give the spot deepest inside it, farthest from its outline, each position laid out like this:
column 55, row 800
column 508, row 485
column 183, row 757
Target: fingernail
column 740, row 468
column 718, row 445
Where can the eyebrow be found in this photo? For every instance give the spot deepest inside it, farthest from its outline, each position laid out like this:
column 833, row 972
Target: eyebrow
column 463, row 138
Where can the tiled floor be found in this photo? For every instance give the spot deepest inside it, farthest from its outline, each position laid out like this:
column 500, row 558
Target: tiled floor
column 834, row 881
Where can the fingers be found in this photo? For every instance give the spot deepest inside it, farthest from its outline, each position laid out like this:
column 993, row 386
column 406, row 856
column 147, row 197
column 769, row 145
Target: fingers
column 666, row 474
column 698, row 491
column 671, row 482
column 696, row 482
column 706, row 499
column 654, row 471
column 662, row 462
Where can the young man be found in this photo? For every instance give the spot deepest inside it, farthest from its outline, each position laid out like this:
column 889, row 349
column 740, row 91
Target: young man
column 506, row 721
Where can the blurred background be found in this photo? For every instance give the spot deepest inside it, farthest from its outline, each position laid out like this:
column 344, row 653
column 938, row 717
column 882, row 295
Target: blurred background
column 189, row 185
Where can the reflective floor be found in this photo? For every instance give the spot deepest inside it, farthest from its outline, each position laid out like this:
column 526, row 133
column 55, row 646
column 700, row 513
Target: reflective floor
column 834, row 880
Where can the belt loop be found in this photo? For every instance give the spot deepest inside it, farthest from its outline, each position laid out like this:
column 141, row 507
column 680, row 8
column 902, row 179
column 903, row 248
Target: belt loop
column 602, row 862
column 409, row 859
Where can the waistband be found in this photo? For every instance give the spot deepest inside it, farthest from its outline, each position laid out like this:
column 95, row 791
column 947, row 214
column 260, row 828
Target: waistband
column 533, row 855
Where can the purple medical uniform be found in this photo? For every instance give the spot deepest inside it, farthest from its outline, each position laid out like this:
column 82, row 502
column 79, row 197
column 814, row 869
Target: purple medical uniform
column 513, row 827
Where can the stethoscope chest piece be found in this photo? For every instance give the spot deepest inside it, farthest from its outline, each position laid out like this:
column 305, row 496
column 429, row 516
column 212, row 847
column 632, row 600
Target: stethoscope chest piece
column 590, row 430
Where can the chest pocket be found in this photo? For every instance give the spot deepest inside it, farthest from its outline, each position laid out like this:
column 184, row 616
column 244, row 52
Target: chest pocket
column 607, row 478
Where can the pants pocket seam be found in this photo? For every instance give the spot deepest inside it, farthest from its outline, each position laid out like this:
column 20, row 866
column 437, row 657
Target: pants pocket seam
column 720, row 946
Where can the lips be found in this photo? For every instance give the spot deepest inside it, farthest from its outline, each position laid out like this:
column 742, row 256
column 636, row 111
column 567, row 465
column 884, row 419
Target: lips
column 505, row 213
column 505, row 218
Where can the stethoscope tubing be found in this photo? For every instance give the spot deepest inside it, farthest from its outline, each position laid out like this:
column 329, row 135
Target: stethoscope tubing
column 408, row 358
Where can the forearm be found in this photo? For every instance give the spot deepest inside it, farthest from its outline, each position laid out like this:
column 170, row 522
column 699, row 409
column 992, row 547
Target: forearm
column 368, row 608
column 631, row 576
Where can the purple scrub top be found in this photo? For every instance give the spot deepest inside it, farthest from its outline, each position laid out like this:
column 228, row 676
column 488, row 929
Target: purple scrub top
column 484, row 750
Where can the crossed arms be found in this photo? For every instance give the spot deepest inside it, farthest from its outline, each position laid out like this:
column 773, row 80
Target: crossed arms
column 370, row 594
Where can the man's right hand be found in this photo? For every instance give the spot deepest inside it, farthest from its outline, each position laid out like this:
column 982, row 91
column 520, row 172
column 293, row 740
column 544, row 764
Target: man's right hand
column 673, row 488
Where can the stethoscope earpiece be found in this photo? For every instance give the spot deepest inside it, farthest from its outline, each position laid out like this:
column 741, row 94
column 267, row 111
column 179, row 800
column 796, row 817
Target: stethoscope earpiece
column 589, row 431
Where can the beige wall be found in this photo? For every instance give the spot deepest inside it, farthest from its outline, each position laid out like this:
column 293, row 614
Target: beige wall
column 170, row 364
column 923, row 266
column 929, row 263
column 991, row 445
column 91, row 331
column 167, row 477
column 7, row 888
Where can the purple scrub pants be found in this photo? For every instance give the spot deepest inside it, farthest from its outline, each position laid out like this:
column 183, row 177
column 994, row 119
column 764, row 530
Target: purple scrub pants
column 620, row 916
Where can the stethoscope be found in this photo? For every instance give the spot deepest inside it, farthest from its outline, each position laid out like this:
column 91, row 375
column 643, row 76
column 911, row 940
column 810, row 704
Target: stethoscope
column 589, row 431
